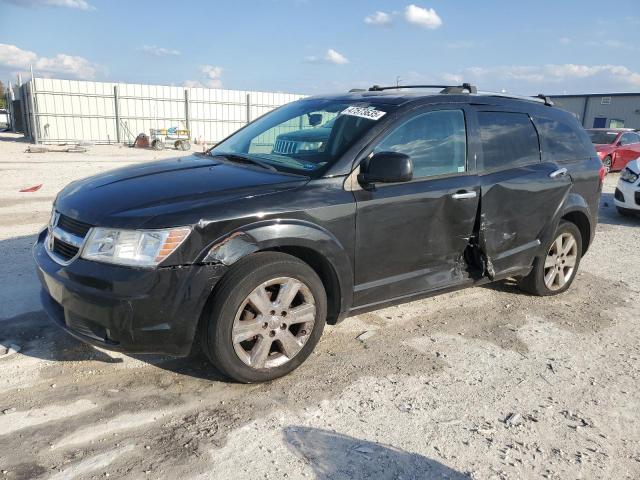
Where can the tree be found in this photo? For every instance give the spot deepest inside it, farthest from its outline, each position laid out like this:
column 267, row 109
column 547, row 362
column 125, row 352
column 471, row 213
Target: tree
column 3, row 100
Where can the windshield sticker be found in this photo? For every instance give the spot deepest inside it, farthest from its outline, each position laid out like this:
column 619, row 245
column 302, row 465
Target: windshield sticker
column 364, row 112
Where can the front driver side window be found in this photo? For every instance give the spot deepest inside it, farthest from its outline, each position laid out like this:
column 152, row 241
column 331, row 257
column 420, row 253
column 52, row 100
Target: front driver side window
column 435, row 141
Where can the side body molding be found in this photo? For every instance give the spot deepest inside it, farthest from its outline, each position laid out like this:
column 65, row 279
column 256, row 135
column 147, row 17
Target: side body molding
column 283, row 234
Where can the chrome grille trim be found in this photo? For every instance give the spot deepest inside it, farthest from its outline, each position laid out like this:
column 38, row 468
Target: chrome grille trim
column 286, row 147
column 73, row 241
column 67, row 237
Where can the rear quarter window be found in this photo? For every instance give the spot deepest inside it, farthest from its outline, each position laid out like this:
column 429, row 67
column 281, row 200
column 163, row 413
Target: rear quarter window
column 562, row 142
column 508, row 140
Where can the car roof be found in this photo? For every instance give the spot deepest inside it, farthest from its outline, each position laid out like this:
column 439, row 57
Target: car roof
column 401, row 97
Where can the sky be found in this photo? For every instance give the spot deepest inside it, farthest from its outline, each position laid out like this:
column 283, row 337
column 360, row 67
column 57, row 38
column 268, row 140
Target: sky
column 320, row 46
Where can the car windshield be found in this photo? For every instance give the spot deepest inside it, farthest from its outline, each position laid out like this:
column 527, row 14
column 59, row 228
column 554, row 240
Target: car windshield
column 305, row 136
column 602, row 137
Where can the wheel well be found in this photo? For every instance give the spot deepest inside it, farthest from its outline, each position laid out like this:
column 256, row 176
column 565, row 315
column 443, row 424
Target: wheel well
column 581, row 221
column 325, row 271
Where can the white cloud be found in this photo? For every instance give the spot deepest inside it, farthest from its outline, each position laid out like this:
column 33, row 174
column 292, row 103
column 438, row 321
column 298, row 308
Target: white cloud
column 14, row 57
column 332, row 56
column 193, row 84
column 212, row 77
column 77, row 4
column 524, row 77
column 424, row 17
column 378, row 18
column 159, row 51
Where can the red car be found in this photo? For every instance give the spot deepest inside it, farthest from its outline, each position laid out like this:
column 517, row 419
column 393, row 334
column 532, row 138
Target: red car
column 615, row 146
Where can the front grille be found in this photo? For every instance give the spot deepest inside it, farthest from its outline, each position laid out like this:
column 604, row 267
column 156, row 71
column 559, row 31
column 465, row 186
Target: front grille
column 63, row 249
column 73, row 226
column 618, row 195
column 285, row 147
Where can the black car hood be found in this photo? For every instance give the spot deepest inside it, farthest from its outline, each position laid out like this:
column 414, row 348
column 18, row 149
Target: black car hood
column 143, row 194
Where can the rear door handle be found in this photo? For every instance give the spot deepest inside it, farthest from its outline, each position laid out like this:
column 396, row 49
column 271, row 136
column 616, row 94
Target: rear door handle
column 463, row 195
column 561, row 172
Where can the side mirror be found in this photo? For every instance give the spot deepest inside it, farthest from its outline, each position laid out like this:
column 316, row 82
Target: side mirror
column 386, row 167
column 315, row 119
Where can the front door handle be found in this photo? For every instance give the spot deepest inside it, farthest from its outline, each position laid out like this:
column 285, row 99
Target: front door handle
column 561, row 172
column 462, row 195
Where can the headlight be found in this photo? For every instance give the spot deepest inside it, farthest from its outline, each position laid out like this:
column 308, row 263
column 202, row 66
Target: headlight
column 628, row 176
column 142, row 248
column 310, row 146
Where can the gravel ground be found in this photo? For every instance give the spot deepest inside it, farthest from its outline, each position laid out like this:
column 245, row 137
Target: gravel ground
column 482, row 383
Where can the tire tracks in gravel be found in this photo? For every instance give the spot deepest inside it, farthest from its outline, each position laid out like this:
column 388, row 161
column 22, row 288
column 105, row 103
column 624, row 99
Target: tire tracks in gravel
column 182, row 408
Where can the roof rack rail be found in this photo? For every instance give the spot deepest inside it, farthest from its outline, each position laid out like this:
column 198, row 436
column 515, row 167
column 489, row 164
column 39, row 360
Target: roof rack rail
column 446, row 89
column 547, row 100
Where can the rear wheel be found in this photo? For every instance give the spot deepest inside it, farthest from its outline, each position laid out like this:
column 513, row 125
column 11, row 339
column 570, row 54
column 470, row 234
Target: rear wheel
column 158, row 145
column 554, row 272
column 607, row 163
column 185, row 145
column 268, row 315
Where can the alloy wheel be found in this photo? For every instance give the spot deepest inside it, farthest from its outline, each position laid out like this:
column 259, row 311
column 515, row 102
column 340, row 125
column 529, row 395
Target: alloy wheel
column 274, row 323
column 559, row 265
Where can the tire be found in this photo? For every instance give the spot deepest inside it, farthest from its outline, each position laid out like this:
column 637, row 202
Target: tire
column 626, row 212
column 158, row 145
column 607, row 162
column 233, row 316
column 177, row 145
column 184, row 146
column 535, row 283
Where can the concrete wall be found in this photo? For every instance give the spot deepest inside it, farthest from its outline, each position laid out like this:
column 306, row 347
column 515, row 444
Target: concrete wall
column 99, row 112
column 622, row 107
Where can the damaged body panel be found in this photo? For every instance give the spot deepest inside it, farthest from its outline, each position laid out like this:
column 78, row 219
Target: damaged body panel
column 519, row 212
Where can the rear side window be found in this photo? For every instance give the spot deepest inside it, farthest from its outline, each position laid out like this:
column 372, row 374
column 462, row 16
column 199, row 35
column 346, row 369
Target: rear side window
column 563, row 143
column 508, row 140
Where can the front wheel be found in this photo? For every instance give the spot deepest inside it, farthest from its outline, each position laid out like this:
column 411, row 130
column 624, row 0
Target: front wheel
column 554, row 272
column 607, row 163
column 267, row 316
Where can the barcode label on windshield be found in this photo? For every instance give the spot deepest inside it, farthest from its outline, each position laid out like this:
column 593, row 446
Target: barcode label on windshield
column 364, row 112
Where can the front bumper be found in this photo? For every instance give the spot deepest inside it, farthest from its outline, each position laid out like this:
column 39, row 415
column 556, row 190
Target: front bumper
column 126, row 309
column 627, row 195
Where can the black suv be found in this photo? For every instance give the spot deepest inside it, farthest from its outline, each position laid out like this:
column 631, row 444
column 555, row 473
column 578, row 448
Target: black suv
column 251, row 248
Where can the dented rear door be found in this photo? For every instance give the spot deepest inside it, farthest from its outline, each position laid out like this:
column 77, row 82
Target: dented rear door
column 520, row 194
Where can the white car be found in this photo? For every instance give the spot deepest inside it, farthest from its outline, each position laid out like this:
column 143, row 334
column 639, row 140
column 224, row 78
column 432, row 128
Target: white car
column 627, row 196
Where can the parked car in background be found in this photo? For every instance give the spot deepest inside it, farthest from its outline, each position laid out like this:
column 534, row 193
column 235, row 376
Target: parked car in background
column 627, row 195
column 4, row 118
column 615, row 146
column 378, row 198
column 308, row 140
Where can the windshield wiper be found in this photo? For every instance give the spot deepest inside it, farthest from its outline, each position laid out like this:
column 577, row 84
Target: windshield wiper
column 234, row 157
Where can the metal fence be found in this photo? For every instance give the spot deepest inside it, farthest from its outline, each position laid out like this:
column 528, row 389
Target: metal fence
column 69, row 111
